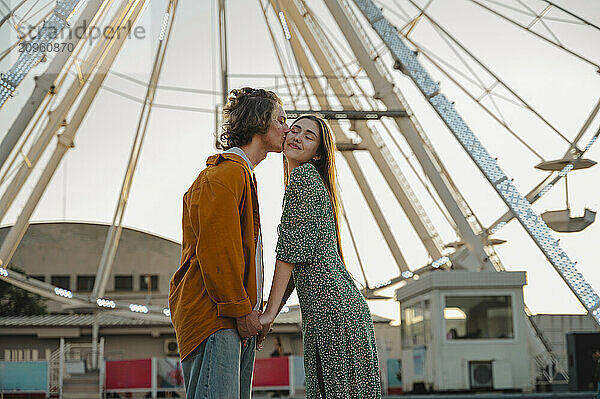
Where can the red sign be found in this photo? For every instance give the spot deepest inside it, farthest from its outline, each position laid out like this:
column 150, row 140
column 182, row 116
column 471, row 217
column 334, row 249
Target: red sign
column 271, row 372
column 129, row 374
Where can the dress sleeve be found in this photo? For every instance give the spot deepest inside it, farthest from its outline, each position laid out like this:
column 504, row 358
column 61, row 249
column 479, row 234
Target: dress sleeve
column 300, row 225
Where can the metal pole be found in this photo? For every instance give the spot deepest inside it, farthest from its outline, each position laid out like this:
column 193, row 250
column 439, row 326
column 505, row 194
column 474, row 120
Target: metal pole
column 11, row 12
column 101, row 370
column 351, row 160
column 222, row 17
column 154, row 378
column 95, row 341
column 533, row 196
column 61, row 367
column 292, row 375
column 378, row 150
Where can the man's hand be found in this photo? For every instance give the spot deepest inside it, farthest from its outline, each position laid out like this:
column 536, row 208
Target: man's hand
column 249, row 325
column 266, row 320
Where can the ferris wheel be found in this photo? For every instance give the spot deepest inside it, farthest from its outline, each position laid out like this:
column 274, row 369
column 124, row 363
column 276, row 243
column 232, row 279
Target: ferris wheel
column 354, row 63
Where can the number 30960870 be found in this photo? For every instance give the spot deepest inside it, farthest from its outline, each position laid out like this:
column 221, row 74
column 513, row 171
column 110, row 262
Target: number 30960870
column 27, row 47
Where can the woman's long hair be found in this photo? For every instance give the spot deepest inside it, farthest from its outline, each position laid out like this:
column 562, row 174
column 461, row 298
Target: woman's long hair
column 325, row 165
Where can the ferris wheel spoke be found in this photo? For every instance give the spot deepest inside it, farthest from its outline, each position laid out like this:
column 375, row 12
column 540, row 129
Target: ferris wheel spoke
column 27, row 60
column 277, row 50
column 399, row 6
column 437, row 62
column 26, row 15
column 23, row 37
column 556, row 43
column 533, row 224
column 477, row 81
column 572, row 14
column 512, row 91
column 534, row 194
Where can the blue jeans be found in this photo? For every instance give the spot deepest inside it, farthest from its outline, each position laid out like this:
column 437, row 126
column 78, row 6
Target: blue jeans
column 220, row 367
column 598, row 390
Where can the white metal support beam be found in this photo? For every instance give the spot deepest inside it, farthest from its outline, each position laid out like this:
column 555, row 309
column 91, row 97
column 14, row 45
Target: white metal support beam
column 385, row 91
column 108, row 50
column 536, row 193
column 45, row 84
column 340, row 136
column 114, row 232
column 393, row 176
column 222, row 17
column 56, row 118
column 531, row 222
column 9, row 81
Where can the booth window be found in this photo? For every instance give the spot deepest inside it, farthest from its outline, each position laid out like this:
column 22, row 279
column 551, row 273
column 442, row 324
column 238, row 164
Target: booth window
column 416, row 324
column 478, row 317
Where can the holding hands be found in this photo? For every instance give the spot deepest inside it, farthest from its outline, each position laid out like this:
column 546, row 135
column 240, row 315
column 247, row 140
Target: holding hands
column 249, row 325
column 281, row 289
column 266, row 321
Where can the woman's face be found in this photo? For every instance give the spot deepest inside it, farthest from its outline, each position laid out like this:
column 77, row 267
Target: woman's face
column 302, row 141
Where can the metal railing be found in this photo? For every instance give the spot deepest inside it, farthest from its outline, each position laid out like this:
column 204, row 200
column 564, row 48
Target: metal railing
column 67, row 351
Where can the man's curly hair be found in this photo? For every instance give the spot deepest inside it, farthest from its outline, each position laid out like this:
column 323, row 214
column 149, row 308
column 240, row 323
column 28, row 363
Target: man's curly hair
column 248, row 112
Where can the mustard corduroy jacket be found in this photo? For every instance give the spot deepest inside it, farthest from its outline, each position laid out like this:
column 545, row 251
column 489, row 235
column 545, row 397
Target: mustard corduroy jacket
column 216, row 280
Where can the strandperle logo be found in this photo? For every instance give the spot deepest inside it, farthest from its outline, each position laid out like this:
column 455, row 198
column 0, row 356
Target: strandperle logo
column 92, row 32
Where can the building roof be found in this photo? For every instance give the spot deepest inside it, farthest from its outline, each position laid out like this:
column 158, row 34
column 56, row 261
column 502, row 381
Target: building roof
column 77, row 320
column 291, row 316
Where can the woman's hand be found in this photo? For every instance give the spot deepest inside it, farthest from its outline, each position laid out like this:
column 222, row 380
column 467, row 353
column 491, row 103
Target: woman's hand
column 266, row 320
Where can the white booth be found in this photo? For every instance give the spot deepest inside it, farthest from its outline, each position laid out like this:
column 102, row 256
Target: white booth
column 464, row 331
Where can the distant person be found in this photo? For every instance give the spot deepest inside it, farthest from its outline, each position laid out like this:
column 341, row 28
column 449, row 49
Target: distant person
column 278, row 351
column 216, row 295
column 452, row 334
column 340, row 355
column 596, row 371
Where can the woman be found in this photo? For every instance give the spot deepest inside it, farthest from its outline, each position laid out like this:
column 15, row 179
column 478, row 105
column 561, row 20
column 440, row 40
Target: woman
column 340, row 356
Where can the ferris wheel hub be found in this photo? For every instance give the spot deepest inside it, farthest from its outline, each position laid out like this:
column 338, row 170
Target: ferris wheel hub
column 489, row 241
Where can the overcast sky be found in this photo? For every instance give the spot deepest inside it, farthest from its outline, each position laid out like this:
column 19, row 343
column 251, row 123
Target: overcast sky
column 562, row 88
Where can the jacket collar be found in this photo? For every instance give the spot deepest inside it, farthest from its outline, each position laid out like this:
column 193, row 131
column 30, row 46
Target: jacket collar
column 241, row 153
column 218, row 158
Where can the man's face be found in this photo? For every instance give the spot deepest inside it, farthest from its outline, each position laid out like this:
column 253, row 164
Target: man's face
column 275, row 136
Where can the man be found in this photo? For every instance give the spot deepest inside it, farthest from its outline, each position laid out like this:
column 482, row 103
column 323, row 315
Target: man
column 216, row 295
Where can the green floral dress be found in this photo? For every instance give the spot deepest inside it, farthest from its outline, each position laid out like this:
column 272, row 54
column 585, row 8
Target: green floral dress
column 336, row 323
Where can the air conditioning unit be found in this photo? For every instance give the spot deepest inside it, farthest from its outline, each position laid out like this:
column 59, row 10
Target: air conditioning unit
column 480, row 375
column 170, row 347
